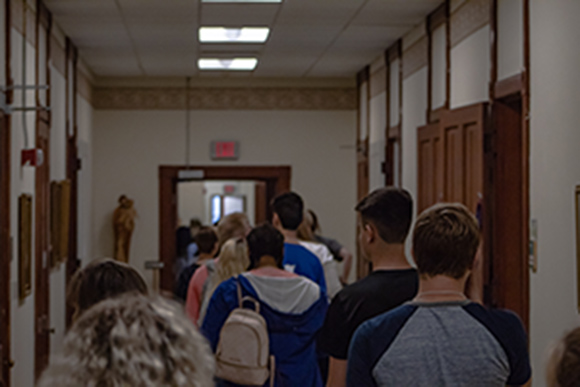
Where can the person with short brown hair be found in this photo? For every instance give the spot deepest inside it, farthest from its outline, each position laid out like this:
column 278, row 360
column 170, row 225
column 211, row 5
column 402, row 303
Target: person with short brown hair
column 384, row 218
column 100, row 280
column 441, row 338
column 564, row 363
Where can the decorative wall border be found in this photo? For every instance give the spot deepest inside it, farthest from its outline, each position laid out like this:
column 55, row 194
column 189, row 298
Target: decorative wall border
column 468, row 18
column 225, row 98
column 415, row 57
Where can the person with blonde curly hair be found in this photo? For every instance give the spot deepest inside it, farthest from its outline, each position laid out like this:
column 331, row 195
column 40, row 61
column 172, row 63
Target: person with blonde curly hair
column 132, row 340
column 564, row 363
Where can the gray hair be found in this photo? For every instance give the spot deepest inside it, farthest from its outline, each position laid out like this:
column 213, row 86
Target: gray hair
column 132, row 341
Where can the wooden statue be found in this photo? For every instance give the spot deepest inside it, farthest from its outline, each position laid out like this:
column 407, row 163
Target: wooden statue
column 123, row 224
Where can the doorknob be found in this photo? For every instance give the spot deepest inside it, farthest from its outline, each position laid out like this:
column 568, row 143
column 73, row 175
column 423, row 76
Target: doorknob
column 11, row 363
column 52, row 331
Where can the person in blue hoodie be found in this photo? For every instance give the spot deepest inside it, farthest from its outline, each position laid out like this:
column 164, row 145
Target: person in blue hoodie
column 293, row 306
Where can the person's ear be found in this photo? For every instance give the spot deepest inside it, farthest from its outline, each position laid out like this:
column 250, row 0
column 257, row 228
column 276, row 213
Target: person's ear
column 370, row 233
column 275, row 220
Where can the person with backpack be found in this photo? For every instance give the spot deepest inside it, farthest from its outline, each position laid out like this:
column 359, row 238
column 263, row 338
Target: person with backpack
column 263, row 323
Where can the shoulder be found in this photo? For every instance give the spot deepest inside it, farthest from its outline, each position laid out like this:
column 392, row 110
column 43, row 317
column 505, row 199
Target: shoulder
column 389, row 323
column 507, row 328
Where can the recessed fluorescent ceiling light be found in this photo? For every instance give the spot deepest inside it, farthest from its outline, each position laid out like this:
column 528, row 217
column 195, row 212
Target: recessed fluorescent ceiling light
column 241, row 1
column 239, row 64
column 233, row 35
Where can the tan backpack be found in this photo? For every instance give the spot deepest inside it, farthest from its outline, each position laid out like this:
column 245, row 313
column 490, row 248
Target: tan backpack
column 243, row 351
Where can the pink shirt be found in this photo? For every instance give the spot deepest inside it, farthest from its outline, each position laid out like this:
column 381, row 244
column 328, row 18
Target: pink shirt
column 194, row 292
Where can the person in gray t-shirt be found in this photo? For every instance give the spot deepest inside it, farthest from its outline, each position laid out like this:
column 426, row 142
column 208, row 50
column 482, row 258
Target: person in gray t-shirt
column 441, row 338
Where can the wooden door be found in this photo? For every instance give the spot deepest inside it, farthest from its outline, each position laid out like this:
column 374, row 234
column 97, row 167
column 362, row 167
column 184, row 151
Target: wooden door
column 430, row 185
column 461, row 157
column 5, row 249
column 261, row 203
column 42, row 253
column 508, row 209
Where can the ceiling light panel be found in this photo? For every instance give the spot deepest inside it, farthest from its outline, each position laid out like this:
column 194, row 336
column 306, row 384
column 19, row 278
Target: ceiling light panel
column 233, row 35
column 234, row 64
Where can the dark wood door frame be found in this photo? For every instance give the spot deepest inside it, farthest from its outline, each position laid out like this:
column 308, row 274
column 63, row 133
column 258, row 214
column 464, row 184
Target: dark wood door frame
column 72, row 166
column 5, row 240
column 5, row 249
column 277, row 179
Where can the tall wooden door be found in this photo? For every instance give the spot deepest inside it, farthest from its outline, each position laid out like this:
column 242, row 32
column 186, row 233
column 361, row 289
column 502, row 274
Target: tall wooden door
column 42, row 253
column 5, row 249
column 461, row 157
column 430, row 183
column 508, row 213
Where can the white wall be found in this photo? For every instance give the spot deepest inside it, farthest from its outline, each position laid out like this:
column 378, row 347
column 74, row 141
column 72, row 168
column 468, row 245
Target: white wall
column 554, row 135
column 414, row 108
column 129, row 146
column 470, row 69
column 57, row 173
column 510, row 39
column 394, row 86
column 439, row 67
column 85, row 178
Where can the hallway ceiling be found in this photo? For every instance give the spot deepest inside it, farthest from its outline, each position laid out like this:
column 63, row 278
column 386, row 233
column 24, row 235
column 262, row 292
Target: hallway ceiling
column 309, row 38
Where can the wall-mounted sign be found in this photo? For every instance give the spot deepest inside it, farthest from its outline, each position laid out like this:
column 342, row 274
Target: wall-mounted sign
column 225, row 150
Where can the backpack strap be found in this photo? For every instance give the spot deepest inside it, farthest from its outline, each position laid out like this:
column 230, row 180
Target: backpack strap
column 242, row 299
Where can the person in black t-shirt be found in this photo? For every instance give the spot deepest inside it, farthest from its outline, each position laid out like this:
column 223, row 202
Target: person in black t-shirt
column 384, row 218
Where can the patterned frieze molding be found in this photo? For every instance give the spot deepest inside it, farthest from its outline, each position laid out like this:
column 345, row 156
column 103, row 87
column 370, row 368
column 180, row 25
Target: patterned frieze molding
column 252, row 98
column 469, row 17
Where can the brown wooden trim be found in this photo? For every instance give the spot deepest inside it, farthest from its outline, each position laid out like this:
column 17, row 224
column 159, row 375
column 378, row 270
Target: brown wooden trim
column 448, row 55
column 435, row 115
column 429, row 68
column 493, row 30
column 72, row 263
column 5, row 249
column 277, row 179
column 363, row 75
column 394, row 52
column 437, row 18
column 509, row 86
column 526, row 97
column 5, row 205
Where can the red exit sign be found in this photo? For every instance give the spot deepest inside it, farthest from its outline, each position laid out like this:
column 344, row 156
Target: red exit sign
column 225, row 150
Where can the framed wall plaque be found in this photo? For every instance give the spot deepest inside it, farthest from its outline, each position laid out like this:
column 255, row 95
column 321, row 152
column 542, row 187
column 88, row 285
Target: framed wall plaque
column 24, row 246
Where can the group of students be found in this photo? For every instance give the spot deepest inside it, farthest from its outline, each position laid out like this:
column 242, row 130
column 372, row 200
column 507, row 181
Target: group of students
column 399, row 326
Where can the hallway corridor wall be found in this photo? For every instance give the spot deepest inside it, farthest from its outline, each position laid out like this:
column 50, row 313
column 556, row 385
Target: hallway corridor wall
column 554, row 172
column 130, row 145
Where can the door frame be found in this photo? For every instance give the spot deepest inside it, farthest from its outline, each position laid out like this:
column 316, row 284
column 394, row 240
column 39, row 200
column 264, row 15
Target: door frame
column 277, row 180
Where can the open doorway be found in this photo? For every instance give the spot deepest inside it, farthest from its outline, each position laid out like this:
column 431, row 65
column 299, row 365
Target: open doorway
column 210, row 193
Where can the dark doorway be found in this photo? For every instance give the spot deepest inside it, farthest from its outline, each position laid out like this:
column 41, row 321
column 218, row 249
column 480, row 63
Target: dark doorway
column 507, row 206
column 270, row 181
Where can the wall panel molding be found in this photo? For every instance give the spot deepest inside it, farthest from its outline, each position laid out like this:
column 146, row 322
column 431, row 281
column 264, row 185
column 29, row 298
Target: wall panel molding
column 415, row 57
column 225, row 98
column 468, row 18
column 84, row 87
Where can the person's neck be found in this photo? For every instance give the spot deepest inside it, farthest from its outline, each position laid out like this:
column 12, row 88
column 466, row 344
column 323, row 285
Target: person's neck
column 290, row 236
column 390, row 257
column 267, row 261
column 203, row 257
column 441, row 288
